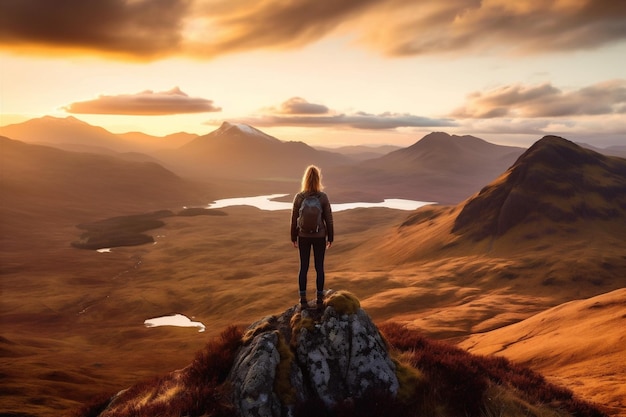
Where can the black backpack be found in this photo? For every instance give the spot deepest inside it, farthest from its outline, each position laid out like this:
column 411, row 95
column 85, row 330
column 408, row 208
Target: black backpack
column 310, row 216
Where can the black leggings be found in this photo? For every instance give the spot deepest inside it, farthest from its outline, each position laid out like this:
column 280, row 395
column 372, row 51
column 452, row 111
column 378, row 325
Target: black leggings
column 319, row 249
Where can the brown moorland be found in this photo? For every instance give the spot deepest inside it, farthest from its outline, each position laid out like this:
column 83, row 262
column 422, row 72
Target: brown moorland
column 72, row 319
column 578, row 344
column 434, row 378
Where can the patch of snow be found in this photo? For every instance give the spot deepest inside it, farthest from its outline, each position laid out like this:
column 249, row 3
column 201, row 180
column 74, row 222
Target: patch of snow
column 247, row 129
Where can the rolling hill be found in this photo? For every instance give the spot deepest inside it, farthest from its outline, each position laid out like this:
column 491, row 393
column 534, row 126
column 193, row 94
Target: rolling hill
column 361, row 152
column 156, row 143
column 549, row 230
column 439, row 167
column 73, row 134
column 579, row 343
column 67, row 133
column 42, row 185
column 553, row 190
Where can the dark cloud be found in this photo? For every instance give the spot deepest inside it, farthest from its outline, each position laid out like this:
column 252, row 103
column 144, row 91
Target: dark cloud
column 298, row 112
column 146, row 103
column 138, row 28
column 148, row 29
column 545, row 100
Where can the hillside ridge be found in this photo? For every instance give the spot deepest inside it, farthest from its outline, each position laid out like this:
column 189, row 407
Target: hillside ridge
column 554, row 179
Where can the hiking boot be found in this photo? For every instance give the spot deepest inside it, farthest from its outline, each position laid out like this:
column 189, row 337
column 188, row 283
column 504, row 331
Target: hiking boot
column 304, row 303
column 320, row 299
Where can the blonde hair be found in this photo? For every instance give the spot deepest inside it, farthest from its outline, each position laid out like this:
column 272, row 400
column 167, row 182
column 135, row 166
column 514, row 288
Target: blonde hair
column 312, row 179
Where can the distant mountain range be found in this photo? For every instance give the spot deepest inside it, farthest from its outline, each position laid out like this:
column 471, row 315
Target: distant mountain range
column 39, row 179
column 361, row 152
column 72, row 134
column 439, row 167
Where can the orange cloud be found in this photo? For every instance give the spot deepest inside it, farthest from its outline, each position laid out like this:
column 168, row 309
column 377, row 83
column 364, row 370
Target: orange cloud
column 545, row 100
column 146, row 103
column 151, row 29
column 521, row 26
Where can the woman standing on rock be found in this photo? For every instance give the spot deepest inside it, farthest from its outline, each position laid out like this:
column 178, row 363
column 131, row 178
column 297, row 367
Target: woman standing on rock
column 311, row 227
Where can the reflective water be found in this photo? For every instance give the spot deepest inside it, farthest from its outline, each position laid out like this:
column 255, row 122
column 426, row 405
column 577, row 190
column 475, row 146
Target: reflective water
column 267, row 202
column 177, row 320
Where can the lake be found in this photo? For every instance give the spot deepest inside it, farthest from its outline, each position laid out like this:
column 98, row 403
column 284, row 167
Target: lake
column 268, row 202
column 177, row 320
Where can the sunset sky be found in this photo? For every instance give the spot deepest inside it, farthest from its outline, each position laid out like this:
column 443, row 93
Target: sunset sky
column 331, row 73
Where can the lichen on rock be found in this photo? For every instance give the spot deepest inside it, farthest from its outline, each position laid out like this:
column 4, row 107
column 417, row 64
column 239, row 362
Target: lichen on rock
column 336, row 354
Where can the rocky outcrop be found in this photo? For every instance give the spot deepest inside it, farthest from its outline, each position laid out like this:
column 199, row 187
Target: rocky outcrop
column 331, row 355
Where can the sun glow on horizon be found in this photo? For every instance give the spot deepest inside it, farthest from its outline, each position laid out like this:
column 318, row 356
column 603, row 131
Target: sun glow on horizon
column 372, row 95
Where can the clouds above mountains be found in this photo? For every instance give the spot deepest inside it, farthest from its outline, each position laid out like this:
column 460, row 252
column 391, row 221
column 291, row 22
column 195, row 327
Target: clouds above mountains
column 298, row 105
column 297, row 111
column 151, row 29
column 145, row 103
column 545, row 100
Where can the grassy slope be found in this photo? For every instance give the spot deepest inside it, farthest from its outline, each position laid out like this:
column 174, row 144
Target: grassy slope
column 73, row 320
column 578, row 344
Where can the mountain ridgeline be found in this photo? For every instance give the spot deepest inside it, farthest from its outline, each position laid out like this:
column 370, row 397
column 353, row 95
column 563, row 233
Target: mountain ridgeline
column 439, row 167
column 554, row 179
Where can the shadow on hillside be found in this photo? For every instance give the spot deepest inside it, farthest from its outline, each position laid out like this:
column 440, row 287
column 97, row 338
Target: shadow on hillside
column 129, row 230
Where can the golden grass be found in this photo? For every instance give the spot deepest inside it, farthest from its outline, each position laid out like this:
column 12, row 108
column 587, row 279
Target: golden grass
column 579, row 344
column 82, row 312
column 410, row 379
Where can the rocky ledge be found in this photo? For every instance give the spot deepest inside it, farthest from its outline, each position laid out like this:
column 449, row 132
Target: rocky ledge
column 334, row 354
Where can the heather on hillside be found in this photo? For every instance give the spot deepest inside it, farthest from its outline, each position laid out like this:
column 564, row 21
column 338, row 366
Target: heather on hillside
column 436, row 379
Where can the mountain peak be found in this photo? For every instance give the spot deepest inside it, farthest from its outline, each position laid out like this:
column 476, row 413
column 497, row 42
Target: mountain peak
column 558, row 152
column 240, row 129
column 554, row 180
column 438, row 138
